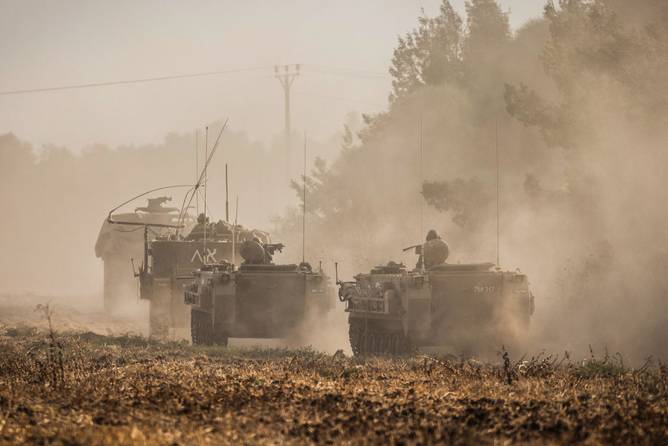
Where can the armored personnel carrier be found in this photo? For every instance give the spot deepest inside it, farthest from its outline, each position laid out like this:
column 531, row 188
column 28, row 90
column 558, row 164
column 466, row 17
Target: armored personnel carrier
column 465, row 307
column 170, row 262
column 259, row 299
column 118, row 244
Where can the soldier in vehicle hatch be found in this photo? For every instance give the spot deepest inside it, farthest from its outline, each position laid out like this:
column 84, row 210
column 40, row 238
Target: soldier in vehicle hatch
column 435, row 251
column 254, row 252
column 199, row 229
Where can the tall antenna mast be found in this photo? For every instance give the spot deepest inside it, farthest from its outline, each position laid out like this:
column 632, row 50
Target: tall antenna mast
column 304, row 210
column 206, row 156
column 227, row 203
column 190, row 195
column 197, row 166
column 420, row 159
column 234, row 233
column 498, row 232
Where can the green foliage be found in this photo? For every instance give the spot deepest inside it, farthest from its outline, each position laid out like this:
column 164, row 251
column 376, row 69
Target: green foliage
column 450, row 77
column 593, row 52
column 430, row 54
column 580, row 98
column 606, row 367
column 463, row 198
column 487, row 28
column 440, row 51
column 598, row 369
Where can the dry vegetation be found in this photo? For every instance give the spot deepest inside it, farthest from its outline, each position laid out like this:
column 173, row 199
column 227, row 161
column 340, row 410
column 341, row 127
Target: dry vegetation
column 85, row 388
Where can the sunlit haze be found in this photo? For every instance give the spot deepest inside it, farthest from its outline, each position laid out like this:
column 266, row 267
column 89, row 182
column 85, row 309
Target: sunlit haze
column 344, row 48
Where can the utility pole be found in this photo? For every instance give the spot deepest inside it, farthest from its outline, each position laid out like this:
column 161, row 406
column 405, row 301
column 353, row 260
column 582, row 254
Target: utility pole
column 286, row 76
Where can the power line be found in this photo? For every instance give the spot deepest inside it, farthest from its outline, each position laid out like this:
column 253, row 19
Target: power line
column 311, row 69
column 132, row 81
column 348, row 72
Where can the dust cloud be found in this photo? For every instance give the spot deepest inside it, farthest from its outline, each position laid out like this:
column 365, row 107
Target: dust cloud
column 580, row 106
column 55, row 201
column 576, row 102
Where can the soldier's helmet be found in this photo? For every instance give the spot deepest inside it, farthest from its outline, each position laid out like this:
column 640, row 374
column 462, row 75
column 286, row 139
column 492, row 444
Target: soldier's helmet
column 432, row 235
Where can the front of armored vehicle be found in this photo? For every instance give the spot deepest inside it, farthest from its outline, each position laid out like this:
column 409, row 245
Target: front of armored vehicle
column 175, row 260
column 377, row 304
column 211, row 299
column 368, row 296
column 273, row 300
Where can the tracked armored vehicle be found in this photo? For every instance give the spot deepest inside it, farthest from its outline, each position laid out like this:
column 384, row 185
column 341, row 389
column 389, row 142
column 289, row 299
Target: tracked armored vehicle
column 170, row 263
column 119, row 244
column 464, row 307
column 258, row 299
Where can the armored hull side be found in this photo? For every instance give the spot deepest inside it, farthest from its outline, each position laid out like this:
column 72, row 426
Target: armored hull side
column 464, row 307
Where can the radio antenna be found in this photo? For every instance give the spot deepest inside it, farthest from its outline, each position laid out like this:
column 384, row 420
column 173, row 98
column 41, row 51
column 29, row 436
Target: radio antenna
column 234, row 233
column 197, row 165
column 206, row 178
column 420, row 160
column 112, row 221
column 194, row 189
column 227, row 202
column 304, row 209
column 498, row 208
column 236, row 211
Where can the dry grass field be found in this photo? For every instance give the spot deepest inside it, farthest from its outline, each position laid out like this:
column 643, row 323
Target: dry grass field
column 86, row 388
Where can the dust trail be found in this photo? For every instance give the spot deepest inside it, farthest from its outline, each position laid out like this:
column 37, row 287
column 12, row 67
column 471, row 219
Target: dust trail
column 582, row 113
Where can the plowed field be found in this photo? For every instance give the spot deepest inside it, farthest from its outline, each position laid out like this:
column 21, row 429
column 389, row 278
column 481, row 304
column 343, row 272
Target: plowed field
column 86, row 388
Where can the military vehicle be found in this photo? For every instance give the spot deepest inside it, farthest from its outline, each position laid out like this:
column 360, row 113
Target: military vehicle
column 169, row 264
column 259, row 299
column 464, row 307
column 169, row 258
column 118, row 244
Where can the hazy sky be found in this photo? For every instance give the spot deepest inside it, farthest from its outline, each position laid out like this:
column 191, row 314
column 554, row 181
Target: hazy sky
column 345, row 48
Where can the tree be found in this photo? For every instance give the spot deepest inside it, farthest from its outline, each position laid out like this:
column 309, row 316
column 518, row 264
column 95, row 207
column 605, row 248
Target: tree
column 594, row 55
column 467, row 200
column 428, row 55
column 487, row 30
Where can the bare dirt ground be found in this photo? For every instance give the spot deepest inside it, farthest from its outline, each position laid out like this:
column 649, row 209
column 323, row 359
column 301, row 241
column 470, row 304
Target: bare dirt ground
column 80, row 313
column 75, row 386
